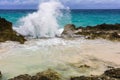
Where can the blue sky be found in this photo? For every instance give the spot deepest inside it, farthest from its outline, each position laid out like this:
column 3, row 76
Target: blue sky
column 74, row 4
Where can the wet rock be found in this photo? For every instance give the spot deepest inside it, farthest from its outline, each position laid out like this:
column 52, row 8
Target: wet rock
column 22, row 77
column 68, row 30
column 5, row 25
column 105, row 31
column 8, row 34
column 114, row 36
column 92, row 78
column 114, row 73
column 47, row 75
column 0, row 75
column 107, row 27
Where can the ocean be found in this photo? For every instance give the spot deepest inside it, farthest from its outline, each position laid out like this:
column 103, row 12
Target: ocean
column 79, row 17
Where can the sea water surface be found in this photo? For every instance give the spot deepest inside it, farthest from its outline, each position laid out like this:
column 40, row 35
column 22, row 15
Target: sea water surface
column 79, row 17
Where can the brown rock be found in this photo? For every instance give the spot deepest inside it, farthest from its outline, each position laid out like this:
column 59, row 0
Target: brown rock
column 5, row 25
column 47, row 75
column 22, row 77
column 8, row 34
column 92, row 78
column 105, row 31
column 68, row 30
column 114, row 73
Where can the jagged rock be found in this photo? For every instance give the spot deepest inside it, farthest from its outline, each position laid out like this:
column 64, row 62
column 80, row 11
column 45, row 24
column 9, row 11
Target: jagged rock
column 114, row 73
column 68, row 30
column 5, row 25
column 45, row 75
column 105, row 31
column 22, row 77
column 93, row 78
column 8, row 34
column 114, row 36
column 107, row 27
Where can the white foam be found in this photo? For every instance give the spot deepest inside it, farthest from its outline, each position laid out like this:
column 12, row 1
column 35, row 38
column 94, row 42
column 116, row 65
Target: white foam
column 44, row 22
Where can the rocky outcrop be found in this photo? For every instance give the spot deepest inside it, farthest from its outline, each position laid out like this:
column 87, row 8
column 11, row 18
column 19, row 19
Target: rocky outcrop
column 115, row 73
column 22, row 77
column 8, row 34
column 105, row 27
column 112, row 74
column 92, row 78
column 46, row 75
column 0, row 75
column 105, row 31
column 68, row 30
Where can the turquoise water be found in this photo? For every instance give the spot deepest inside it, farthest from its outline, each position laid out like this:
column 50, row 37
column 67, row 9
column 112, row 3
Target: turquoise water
column 78, row 17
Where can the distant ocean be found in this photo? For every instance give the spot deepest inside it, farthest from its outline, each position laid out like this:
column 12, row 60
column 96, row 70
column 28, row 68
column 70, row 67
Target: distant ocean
column 79, row 17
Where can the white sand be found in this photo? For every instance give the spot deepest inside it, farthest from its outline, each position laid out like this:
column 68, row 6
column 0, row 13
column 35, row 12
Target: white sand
column 109, row 51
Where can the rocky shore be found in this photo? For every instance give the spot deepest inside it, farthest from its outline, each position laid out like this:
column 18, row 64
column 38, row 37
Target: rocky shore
column 8, row 34
column 45, row 75
column 111, row 74
column 104, row 31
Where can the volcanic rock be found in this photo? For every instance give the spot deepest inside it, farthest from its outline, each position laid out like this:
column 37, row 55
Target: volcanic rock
column 105, row 31
column 22, row 77
column 92, row 78
column 8, row 34
column 68, row 30
column 45, row 75
column 114, row 73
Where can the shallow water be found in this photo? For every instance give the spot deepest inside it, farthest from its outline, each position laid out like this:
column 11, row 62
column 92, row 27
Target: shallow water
column 64, row 56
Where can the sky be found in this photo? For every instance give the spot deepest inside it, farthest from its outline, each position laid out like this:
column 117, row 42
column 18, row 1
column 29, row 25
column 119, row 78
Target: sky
column 73, row 4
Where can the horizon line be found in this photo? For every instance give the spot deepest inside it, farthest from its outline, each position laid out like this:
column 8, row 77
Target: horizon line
column 70, row 9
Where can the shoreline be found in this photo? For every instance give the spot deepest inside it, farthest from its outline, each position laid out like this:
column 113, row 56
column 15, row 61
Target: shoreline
column 69, row 55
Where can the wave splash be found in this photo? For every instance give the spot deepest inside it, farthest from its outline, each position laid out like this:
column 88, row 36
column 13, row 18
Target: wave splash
column 44, row 22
